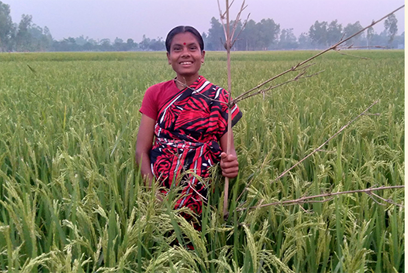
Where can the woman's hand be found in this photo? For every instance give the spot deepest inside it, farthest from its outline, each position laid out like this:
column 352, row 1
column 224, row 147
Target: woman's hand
column 229, row 165
column 144, row 144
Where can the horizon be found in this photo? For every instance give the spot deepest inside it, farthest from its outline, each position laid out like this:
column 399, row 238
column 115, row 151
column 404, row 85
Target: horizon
column 105, row 19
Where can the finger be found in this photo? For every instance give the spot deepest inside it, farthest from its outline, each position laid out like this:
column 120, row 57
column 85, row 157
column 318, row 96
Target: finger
column 230, row 174
column 231, row 157
column 230, row 170
column 227, row 164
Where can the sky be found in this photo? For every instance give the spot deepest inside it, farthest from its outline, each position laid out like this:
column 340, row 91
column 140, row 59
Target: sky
column 99, row 19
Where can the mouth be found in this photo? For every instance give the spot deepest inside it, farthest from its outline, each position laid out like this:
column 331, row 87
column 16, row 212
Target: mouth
column 186, row 63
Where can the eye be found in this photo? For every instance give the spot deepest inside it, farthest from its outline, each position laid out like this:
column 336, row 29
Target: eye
column 176, row 48
column 193, row 47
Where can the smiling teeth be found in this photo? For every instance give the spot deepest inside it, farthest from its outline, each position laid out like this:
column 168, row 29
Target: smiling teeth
column 186, row 63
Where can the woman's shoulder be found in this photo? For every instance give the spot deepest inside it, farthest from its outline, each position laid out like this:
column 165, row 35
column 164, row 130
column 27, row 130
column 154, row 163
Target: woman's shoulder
column 160, row 89
column 161, row 85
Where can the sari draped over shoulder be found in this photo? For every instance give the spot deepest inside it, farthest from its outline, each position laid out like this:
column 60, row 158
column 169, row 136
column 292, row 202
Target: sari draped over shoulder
column 187, row 131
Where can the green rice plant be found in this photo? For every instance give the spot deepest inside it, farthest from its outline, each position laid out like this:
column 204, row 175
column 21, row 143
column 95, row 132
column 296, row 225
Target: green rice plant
column 72, row 198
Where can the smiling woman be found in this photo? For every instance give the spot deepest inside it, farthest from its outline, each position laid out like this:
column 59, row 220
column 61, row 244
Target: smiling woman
column 186, row 55
column 187, row 119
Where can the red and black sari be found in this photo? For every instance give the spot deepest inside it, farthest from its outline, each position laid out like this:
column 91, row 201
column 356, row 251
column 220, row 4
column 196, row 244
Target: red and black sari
column 187, row 130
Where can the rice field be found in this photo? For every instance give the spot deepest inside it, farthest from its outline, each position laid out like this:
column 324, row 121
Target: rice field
column 72, row 199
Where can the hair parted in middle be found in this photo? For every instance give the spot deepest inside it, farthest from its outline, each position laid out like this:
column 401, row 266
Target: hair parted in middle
column 183, row 29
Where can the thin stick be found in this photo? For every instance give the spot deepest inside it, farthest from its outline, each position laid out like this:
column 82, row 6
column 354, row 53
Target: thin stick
column 303, row 200
column 345, row 54
column 333, row 47
column 242, row 28
column 222, row 16
column 228, row 44
column 243, row 6
column 318, row 149
column 228, row 48
column 324, row 143
column 386, row 200
column 296, row 78
column 248, row 94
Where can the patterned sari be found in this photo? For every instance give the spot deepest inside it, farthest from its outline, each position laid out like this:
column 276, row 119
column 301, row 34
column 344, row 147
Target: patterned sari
column 187, row 131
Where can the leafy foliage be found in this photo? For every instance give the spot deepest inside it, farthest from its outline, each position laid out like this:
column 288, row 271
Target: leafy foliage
column 263, row 35
column 72, row 200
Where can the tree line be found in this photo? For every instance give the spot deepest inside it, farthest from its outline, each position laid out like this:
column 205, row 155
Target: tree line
column 264, row 35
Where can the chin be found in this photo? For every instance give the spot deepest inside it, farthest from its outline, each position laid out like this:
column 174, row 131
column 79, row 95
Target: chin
column 187, row 74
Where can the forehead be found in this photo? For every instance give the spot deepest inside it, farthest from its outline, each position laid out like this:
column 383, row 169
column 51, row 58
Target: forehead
column 184, row 38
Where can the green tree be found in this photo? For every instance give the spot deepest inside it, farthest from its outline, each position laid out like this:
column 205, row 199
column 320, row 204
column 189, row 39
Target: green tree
column 90, row 45
column 105, row 44
column 391, row 27
column 24, row 37
column 81, row 40
column 37, row 42
column 7, row 28
column 351, row 29
column 216, row 37
column 304, row 41
column 205, row 39
column 119, row 45
column 40, row 39
column 145, row 43
column 86, row 44
column 267, row 31
column 130, row 44
column 369, row 36
column 318, row 33
column 239, row 44
column 250, row 35
column 334, row 31
column 157, row 44
column 287, row 40
column 47, row 34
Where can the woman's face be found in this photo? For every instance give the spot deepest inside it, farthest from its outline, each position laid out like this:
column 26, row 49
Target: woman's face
column 185, row 56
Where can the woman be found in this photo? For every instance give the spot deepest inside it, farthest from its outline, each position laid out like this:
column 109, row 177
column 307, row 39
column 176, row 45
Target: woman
column 187, row 116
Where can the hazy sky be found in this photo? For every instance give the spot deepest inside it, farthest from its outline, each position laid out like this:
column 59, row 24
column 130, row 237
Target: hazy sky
column 125, row 19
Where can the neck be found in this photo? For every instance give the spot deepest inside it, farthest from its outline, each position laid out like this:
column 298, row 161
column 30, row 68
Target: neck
column 184, row 82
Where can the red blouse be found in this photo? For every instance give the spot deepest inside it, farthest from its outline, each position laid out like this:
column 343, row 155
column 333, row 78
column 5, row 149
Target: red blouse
column 156, row 96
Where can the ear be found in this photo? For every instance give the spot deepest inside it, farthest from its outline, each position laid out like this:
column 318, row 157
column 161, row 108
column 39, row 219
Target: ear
column 168, row 57
column 202, row 55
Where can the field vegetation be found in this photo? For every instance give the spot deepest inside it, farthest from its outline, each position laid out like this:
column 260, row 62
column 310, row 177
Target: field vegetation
column 72, row 199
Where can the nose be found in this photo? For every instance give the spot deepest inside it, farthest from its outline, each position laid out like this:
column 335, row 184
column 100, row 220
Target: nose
column 186, row 52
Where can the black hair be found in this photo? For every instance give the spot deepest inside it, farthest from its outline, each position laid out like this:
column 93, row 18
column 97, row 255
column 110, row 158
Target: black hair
column 183, row 29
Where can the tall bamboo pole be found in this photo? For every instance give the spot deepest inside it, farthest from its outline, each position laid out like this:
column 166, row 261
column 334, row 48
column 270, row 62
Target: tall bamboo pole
column 229, row 132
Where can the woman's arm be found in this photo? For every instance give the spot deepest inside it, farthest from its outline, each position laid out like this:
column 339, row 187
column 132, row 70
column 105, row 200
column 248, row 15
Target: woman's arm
column 229, row 162
column 144, row 144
